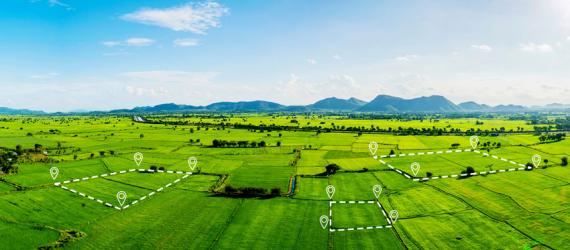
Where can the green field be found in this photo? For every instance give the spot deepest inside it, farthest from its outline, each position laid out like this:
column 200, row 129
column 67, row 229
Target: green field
column 510, row 210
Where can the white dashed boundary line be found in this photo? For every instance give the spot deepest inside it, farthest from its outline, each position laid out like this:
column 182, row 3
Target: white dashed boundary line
column 333, row 229
column 519, row 166
column 107, row 204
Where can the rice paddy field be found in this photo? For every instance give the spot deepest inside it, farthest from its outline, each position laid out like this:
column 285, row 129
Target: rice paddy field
column 174, row 206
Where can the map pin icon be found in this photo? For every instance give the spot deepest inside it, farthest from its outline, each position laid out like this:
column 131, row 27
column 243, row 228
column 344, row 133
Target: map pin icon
column 415, row 168
column 121, row 197
column 54, row 171
column 377, row 189
column 324, row 221
column 474, row 140
column 373, row 147
column 330, row 191
column 138, row 158
column 192, row 162
column 394, row 216
column 536, row 160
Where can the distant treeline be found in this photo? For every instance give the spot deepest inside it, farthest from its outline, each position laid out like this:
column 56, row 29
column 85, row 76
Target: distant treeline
column 250, row 192
column 218, row 143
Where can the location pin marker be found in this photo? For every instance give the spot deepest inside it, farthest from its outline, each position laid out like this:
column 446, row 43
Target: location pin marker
column 474, row 140
column 121, row 197
column 324, row 221
column 536, row 160
column 330, row 191
column 192, row 162
column 415, row 168
column 394, row 216
column 54, row 171
column 373, row 147
column 138, row 158
column 377, row 189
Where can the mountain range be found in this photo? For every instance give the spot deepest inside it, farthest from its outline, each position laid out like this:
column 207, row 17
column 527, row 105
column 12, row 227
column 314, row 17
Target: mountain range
column 382, row 103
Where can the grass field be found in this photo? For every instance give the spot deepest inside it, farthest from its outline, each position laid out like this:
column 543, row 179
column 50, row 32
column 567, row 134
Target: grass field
column 512, row 210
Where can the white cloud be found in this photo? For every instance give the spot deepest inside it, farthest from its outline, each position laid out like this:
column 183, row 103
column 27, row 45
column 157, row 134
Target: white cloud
column 111, row 43
column 144, row 91
column 191, row 17
column 483, row 47
column 311, row 61
column 337, row 57
column 138, row 41
column 186, row 42
column 568, row 38
column 59, row 3
column 407, row 58
column 133, row 41
column 45, row 76
column 533, row 47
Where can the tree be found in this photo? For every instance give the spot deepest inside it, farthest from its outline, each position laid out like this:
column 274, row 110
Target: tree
column 429, row 174
column 262, row 144
column 455, row 145
column 278, row 144
column 141, row 136
column 275, row 191
column 392, row 152
column 331, row 168
column 101, row 153
column 564, row 161
column 545, row 162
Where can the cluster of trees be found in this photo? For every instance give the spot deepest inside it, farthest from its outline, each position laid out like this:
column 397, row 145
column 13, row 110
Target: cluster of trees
column 8, row 159
column 552, row 137
column 468, row 170
column 218, row 143
column 489, row 145
column 155, row 168
column 250, row 192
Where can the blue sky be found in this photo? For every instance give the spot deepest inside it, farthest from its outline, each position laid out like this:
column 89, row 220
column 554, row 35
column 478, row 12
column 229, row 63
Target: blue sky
column 62, row 55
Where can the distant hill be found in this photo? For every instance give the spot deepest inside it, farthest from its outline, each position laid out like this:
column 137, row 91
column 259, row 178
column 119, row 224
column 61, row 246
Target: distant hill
column 10, row 111
column 333, row 103
column 509, row 108
column 473, row 106
column 245, row 106
column 386, row 103
column 382, row 103
column 167, row 107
